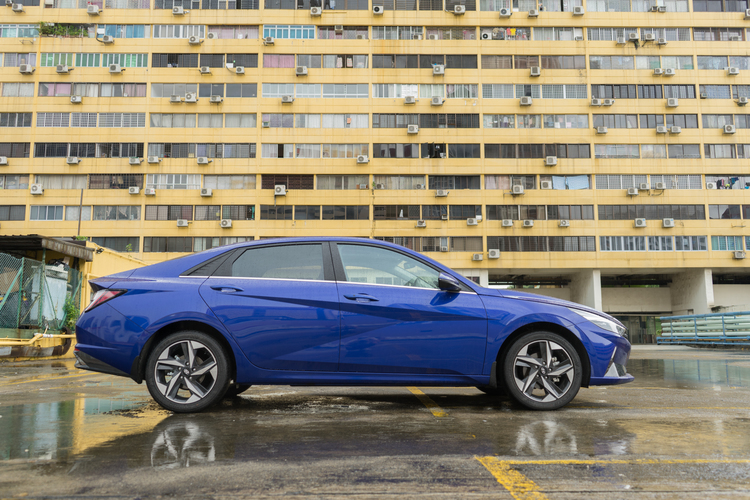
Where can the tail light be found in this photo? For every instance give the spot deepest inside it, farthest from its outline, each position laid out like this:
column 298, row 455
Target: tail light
column 102, row 296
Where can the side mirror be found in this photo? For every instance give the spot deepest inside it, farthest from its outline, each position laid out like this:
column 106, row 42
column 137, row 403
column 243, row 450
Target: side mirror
column 448, row 283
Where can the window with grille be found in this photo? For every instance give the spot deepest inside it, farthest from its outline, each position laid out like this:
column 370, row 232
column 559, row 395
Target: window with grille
column 564, row 92
column 15, row 149
column 652, row 212
column 118, row 243
column 75, row 212
column 570, row 212
column 207, row 212
column 174, row 61
column 62, row 181
column 54, row 119
column 238, row 212
column 273, row 212
column 169, row 212
column 395, row 150
column 401, row 182
column 122, row 120
column 616, row 121
column 115, row 181
column 117, row 212
column 290, row 181
column 677, row 181
column 126, row 60
column 173, row 181
column 690, row 243
column 281, row 32
column 608, row 34
column 679, row 91
column 466, row 244
column 346, row 212
column 396, row 212
column 454, row 182
column 465, row 211
column 342, row 182
column 622, row 243
column 616, row 151
column 611, row 62
column 684, row 121
column 532, row 91
column 12, row 212
column 171, row 244
column 396, row 32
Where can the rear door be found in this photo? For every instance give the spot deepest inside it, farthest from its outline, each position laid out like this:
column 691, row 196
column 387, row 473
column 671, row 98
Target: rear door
column 281, row 305
column 395, row 319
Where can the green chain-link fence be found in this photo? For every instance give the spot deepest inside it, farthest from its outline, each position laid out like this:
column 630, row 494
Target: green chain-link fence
column 33, row 295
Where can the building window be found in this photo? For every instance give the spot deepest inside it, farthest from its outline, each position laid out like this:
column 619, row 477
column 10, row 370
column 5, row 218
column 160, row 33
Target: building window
column 690, row 243
column 726, row 243
column 396, row 212
column 229, row 181
column 342, row 182
column 15, row 181
column 724, row 212
column 169, row 212
column 115, row 212
column 652, row 212
column 505, row 182
column 171, row 244
column 622, row 243
column 12, row 212
column 289, row 181
column 62, row 181
column 395, row 150
column 115, row 181
column 400, row 182
column 118, row 243
column 660, row 244
column 340, row 212
column 455, row 182
column 271, row 212
column 46, row 212
column 238, row 212
column 15, row 119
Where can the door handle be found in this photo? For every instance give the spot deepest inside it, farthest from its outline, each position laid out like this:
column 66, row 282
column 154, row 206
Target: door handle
column 226, row 289
column 361, row 296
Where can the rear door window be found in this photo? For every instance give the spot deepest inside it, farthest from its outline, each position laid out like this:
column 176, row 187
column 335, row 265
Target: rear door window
column 292, row 262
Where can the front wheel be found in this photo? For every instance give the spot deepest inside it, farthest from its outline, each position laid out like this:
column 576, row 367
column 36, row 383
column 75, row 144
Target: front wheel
column 542, row 371
column 187, row 372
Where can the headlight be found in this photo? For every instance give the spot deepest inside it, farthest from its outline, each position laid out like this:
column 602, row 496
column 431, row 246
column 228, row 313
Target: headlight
column 600, row 321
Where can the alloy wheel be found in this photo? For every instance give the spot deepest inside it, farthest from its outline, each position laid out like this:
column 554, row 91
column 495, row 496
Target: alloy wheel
column 543, row 371
column 186, row 371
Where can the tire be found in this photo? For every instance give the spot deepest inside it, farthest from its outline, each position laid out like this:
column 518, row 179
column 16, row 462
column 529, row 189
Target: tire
column 547, row 366
column 235, row 390
column 187, row 372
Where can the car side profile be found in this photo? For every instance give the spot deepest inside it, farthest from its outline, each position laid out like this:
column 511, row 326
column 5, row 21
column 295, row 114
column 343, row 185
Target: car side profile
column 338, row 312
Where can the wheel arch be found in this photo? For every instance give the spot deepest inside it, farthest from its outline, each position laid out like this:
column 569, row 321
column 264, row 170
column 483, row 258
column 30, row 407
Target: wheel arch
column 138, row 370
column 550, row 327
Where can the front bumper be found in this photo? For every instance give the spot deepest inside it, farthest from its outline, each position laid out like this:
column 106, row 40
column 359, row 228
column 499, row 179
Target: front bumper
column 617, row 372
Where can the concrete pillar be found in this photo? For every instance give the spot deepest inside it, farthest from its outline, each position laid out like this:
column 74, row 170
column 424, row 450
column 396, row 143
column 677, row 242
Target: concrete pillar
column 482, row 274
column 692, row 292
column 586, row 288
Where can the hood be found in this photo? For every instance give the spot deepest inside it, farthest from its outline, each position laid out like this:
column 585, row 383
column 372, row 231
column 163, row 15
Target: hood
column 531, row 297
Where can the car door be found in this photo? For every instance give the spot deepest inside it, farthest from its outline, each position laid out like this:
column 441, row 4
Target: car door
column 277, row 303
column 395, row 319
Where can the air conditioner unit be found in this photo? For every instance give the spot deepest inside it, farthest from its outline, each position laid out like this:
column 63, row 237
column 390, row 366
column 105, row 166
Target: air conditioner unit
column 596, row 102
column 379, row 185
column 578, row 38
column 226, row 223
column 535, row 71
column 410, row 99
column 632, row 191
column 564, row 223
column 533, row 13
column 215, row 99
column 182, row 223
column 203, row 160
column 507, row 222
column 17, row 7
column 363, row 159
column 72, row 160
column 545, row 185
column 191, row 97
column 115, row 68
column 378, row 10
column 472, row 222
column 550, row 161
column 207, row 192
column 421, row 223
column 438, row 69
column 658, row 72
column 661, row 129
column 279, row 190
column 747, row 14
column 672, row 102
column 733, row 71
column 742, row 101
column 739, row 254
column 639, row 223
column 517, row 189
column 493, row 253
column 36, row 189
column 108, row 39
column 643, row 186
column 3, row 160
column 175, row 99
column 416, row 37
column 526, row 101
column 211, row 35
column 178, row 11
column 134, row 190
column 459, row 10
column 432, row 37
column 675, row 130
column 444, row 248
column 608, row 102
column 601, row 130
column 578, row 11
column 205, row 70
column 194, row 40
column 300, row 71
column 361, row 37
column 26, row 69
column 287, row 99
column 621, row 40
column 268, row 40
column 486, row 36
column 441, row 193
column 239, row 70
column 153, row 159
column 729, row 129
column 92, row 10
column 266, row 124
column 316, row 11
column 667, row 222
column 632, row 37
column 436, row 101
column 654, row 8
column 649, row 37
column 710, row 185
column 76, row 99
column 660, row 186
column 528, row 223
column 670, row 72
column 661, row 41
column 506, row 12
column 412, row 129
column 661, row 8
column 134, row 160
column 339, row 28
column 61, row 68
column 477, row 257
column 149, row 192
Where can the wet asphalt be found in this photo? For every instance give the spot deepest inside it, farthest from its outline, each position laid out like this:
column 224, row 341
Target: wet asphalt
column 681, row 430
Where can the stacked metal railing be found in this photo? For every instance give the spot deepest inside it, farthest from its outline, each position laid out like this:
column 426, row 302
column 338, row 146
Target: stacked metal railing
column 709, row 329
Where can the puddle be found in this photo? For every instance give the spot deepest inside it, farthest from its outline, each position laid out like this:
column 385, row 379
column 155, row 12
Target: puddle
column 691, row 372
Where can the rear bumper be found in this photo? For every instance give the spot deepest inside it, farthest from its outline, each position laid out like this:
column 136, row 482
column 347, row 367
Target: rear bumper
column 87, row 362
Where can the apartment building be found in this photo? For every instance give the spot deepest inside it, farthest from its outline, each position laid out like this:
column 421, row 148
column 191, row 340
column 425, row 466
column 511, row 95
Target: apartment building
column 595, row 151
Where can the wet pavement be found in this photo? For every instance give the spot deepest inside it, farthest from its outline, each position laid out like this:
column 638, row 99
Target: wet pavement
column 681, row 430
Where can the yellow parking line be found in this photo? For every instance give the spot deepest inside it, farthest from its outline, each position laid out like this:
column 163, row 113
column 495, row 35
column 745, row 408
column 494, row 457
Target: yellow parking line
column 429, row 403
column 519, row 486
column 45, row 379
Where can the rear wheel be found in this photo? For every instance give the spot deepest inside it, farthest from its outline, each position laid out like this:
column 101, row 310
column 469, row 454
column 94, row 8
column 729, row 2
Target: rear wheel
column 187, row 372
column 542, row 371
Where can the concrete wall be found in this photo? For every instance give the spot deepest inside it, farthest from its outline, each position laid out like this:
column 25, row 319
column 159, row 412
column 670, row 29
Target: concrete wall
column 637, row 300
column 692, row 292
column 732, row 297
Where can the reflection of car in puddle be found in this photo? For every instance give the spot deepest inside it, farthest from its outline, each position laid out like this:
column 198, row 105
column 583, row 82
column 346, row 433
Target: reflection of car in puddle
column 551, row 437
column 181, row 443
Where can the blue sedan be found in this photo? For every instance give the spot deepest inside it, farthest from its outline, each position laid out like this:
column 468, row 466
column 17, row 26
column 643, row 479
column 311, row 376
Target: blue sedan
column 338, row 311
